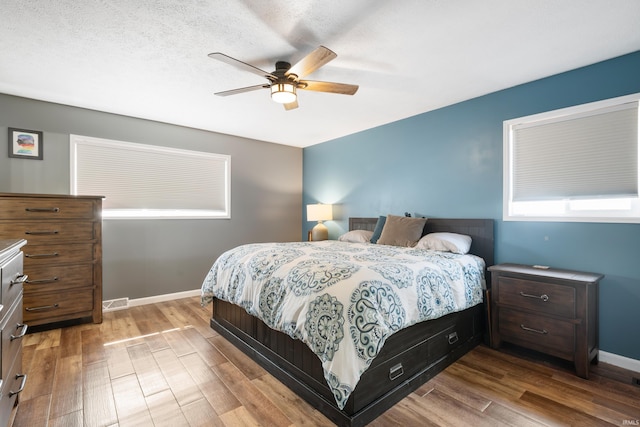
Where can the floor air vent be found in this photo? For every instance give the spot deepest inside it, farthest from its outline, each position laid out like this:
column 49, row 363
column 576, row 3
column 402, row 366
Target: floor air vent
column 115, row 304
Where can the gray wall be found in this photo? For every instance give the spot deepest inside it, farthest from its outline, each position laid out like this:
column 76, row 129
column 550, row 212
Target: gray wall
column 144, row 258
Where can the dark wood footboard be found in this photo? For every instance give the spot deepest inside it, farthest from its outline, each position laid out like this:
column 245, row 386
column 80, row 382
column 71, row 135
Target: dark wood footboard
column 408, row 359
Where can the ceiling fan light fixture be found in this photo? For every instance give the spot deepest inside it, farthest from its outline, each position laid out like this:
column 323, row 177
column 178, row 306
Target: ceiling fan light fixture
column 283, row 93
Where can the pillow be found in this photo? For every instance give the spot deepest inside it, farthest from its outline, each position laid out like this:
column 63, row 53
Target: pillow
column 356, row 236
column 445, row 242
column 401, row 231
column 378, row 230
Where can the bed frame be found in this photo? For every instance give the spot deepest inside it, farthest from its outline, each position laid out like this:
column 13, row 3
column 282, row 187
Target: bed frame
column 408, row 359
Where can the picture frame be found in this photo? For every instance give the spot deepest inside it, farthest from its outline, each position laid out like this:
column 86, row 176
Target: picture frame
column 25, row 144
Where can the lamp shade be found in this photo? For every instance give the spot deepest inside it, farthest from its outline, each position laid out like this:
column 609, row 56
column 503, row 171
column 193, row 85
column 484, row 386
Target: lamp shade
column 319, row 212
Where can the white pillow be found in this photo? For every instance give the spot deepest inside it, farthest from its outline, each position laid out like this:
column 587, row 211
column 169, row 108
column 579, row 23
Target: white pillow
column 445, row 242
column 357, row 236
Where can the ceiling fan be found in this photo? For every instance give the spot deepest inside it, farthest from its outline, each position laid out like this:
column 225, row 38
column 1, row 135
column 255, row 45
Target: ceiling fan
column 285, row 80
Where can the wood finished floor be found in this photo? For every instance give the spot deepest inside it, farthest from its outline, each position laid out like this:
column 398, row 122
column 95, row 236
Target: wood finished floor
column 162, row 365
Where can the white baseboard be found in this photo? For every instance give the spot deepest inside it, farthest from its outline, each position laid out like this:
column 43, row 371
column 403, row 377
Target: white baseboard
column 150, row 300
column 619, row 361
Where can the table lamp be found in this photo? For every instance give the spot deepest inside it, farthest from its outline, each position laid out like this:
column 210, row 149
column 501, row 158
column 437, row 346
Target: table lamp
column 319, row 212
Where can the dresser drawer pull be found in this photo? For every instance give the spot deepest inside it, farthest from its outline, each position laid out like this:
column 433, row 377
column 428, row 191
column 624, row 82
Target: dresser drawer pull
column 41, row 281
column 41, row 233
column 543, row 297
column 22, row 333
column 452, row 338
column 42, row 209
column 22, row 383
column 20, row 278
column 41, row 255
column 538, row 331
column 44, row 307
column 396, row 371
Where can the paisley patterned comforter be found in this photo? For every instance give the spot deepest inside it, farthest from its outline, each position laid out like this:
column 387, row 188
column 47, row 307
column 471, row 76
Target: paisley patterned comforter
column 344, row 299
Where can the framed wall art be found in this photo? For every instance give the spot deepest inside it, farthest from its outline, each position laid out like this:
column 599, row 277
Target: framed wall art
column 25, row 144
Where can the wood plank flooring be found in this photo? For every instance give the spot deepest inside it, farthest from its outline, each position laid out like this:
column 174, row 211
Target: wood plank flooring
column 162, row 365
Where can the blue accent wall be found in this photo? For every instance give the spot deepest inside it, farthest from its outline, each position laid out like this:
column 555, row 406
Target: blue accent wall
column 448, row 163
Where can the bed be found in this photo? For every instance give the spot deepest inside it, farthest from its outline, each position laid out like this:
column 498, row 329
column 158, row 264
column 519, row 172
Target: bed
column 404, row 358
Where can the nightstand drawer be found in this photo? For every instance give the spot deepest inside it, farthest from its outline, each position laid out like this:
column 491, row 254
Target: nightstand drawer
column 541, row 297
column 44, row 232
column 538, row 332
column 45, row 208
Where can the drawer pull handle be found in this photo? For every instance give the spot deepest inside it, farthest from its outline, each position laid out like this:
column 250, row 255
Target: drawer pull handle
column 22, row 333
column 42, row 209
column 44, row 307
column 41, row 255
column 396, row 371
column 452, row 338
column 41, row 233
column 538, row 331
column 22, row 383
column 20, row 278
column 543, row 297
column 40, row 281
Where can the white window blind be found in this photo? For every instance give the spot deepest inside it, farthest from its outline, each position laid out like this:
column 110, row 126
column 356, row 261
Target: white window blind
column 140, row 180
column 577, row 156
column 575, row 164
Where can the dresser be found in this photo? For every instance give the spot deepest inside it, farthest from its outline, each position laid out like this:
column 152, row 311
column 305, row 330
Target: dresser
column 549, row 310
column 12, row 328
column 63, row 255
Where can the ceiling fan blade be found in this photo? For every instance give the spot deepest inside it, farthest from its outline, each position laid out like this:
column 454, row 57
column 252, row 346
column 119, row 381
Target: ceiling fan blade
column 242, row 90
column 312, row 62
column 341, row 88
column 291, row 106
column 241, row 65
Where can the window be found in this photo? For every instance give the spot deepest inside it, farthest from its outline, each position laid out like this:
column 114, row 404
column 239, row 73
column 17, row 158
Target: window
column 146, row 181
column 575, row 164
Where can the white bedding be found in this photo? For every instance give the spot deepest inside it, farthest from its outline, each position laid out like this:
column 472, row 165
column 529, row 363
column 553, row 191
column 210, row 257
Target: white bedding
column 344, row 299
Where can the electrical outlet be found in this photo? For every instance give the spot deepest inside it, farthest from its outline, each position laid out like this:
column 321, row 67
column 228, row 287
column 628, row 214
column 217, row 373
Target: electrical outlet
column 635, row 381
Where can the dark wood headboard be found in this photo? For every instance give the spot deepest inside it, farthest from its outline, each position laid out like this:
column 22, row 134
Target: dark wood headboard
column 480, row 231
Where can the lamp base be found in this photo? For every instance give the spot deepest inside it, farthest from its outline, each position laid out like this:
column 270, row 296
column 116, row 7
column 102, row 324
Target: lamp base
column 319, row 232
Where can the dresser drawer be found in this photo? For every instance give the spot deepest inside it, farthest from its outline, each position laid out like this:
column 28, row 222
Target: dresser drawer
column 56, row 306
column 54, row 278
column 45, row 208
column 541, row 297
column 12, row 385
column 48, row 232
column 12, row 279
column 537, row 332
column 45, row 255
column 12, row 334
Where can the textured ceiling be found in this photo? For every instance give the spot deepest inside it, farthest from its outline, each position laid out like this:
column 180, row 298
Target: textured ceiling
column 148, row 58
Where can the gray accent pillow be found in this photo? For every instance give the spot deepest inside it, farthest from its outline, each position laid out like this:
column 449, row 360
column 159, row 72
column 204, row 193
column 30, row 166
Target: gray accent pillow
column 401, row 231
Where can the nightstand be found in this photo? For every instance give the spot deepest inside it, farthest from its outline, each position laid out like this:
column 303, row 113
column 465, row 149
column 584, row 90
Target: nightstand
column 549, row 310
